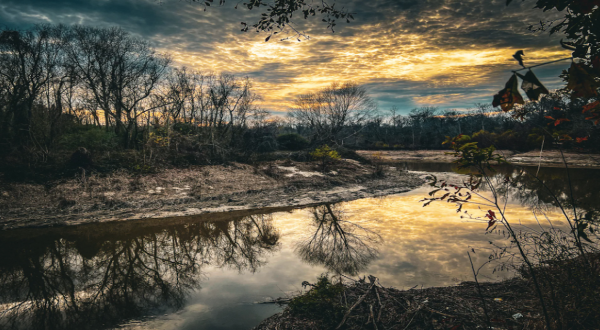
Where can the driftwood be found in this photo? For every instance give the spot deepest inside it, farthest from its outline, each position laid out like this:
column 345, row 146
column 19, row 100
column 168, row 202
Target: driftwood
column 455, row 307
column 357, row 302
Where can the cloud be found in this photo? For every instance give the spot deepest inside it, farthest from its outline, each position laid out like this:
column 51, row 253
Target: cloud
column 408, row 53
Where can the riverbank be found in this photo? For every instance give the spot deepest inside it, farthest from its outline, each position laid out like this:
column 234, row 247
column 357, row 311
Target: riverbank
column 367, row 304
column 552, row 158
column 123, row 196
column 172, row 192
column 569, row 287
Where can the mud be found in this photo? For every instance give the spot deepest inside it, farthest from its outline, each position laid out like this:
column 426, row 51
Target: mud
column 551, row 158
column 192, row 192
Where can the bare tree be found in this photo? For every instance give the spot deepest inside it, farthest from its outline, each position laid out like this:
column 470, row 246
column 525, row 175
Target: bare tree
column 119, row 71
column 332, row 112
column 419, row 118
column 29, row 62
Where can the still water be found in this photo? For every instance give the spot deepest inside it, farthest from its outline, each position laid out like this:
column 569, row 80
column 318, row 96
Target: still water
column 200, row 273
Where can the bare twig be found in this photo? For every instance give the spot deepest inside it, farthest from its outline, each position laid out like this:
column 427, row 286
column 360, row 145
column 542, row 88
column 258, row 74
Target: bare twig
column 413, row 317
column 487, row 317
column 360, row 300
column 373, row 316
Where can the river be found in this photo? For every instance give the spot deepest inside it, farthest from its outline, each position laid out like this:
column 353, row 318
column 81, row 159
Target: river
column 199, row 274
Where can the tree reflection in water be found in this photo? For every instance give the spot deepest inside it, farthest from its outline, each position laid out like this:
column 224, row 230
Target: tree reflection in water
column 553, row 188
column 342, row 246
column 97, row 278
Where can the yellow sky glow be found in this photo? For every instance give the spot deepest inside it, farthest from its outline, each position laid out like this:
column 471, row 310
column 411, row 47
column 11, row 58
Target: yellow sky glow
column 368, row 56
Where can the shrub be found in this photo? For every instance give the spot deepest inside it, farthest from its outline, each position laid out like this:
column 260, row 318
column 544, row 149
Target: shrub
column 90, row 137
column 292, row 141
column 81, row 158
column 378, row 166
column 535, row 139
column 184, row 128
column 321, row 302
column 265, row 143
column 325, row 155
column 506, row 140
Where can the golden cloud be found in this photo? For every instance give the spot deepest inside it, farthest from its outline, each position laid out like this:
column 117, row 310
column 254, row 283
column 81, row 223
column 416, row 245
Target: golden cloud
column 284, row 69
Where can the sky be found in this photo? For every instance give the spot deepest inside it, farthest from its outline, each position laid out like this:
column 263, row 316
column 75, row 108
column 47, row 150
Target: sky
column 408, row 53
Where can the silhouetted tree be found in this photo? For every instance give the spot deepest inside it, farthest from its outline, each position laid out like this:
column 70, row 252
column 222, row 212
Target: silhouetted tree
column 119, row 71
column 332, row 111
column 32, row 71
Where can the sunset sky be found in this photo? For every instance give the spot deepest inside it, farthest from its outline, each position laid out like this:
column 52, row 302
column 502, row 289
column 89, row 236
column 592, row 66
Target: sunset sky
column 408, row 53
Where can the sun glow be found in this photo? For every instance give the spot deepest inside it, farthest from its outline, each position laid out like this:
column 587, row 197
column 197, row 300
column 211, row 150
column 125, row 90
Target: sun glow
column 283, row 69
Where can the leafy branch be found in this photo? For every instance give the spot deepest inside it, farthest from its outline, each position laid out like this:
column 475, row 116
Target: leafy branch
column 277, row 15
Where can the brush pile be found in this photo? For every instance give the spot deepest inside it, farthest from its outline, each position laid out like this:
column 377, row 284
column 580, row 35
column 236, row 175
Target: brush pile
column 365, row 304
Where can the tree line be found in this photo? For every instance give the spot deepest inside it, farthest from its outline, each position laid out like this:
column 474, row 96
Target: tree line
column 66, row 87
column 427, row 127
column 54, row 78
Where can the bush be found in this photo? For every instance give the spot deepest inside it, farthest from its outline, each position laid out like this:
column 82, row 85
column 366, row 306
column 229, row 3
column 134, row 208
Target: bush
column 569, row 282
column 184, row 128
column 92, row 138
column 292, row 141
column 509, row 140
column 261, row 142
column 325, row 155
column 321, row 302
column 381, row 145
column 378, row 166
column 81, row 158
column 351, row 154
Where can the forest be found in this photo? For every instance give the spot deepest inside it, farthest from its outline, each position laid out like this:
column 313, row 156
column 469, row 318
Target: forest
column 88, row 97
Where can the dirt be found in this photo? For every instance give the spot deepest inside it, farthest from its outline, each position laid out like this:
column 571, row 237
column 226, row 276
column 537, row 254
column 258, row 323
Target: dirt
column 187, row 192
column 508, row 305
column 426, row 156
column 551, row 158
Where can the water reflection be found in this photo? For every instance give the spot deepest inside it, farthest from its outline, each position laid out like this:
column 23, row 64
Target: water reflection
column 342, row 246
column 91, row 278
column 551, row 188
column 99, row 276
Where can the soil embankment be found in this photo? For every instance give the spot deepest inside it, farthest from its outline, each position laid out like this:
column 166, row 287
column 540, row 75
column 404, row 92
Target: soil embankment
column 552, row 158
column 187, row 192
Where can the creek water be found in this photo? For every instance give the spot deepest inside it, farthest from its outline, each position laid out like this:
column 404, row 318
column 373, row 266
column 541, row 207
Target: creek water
column 199, row 274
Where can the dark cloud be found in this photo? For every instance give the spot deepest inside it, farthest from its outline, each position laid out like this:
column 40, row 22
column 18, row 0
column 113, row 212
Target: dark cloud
column 450, row 53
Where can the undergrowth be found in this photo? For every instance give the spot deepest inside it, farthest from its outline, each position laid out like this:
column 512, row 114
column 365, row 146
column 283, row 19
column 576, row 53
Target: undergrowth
column 322, row 302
